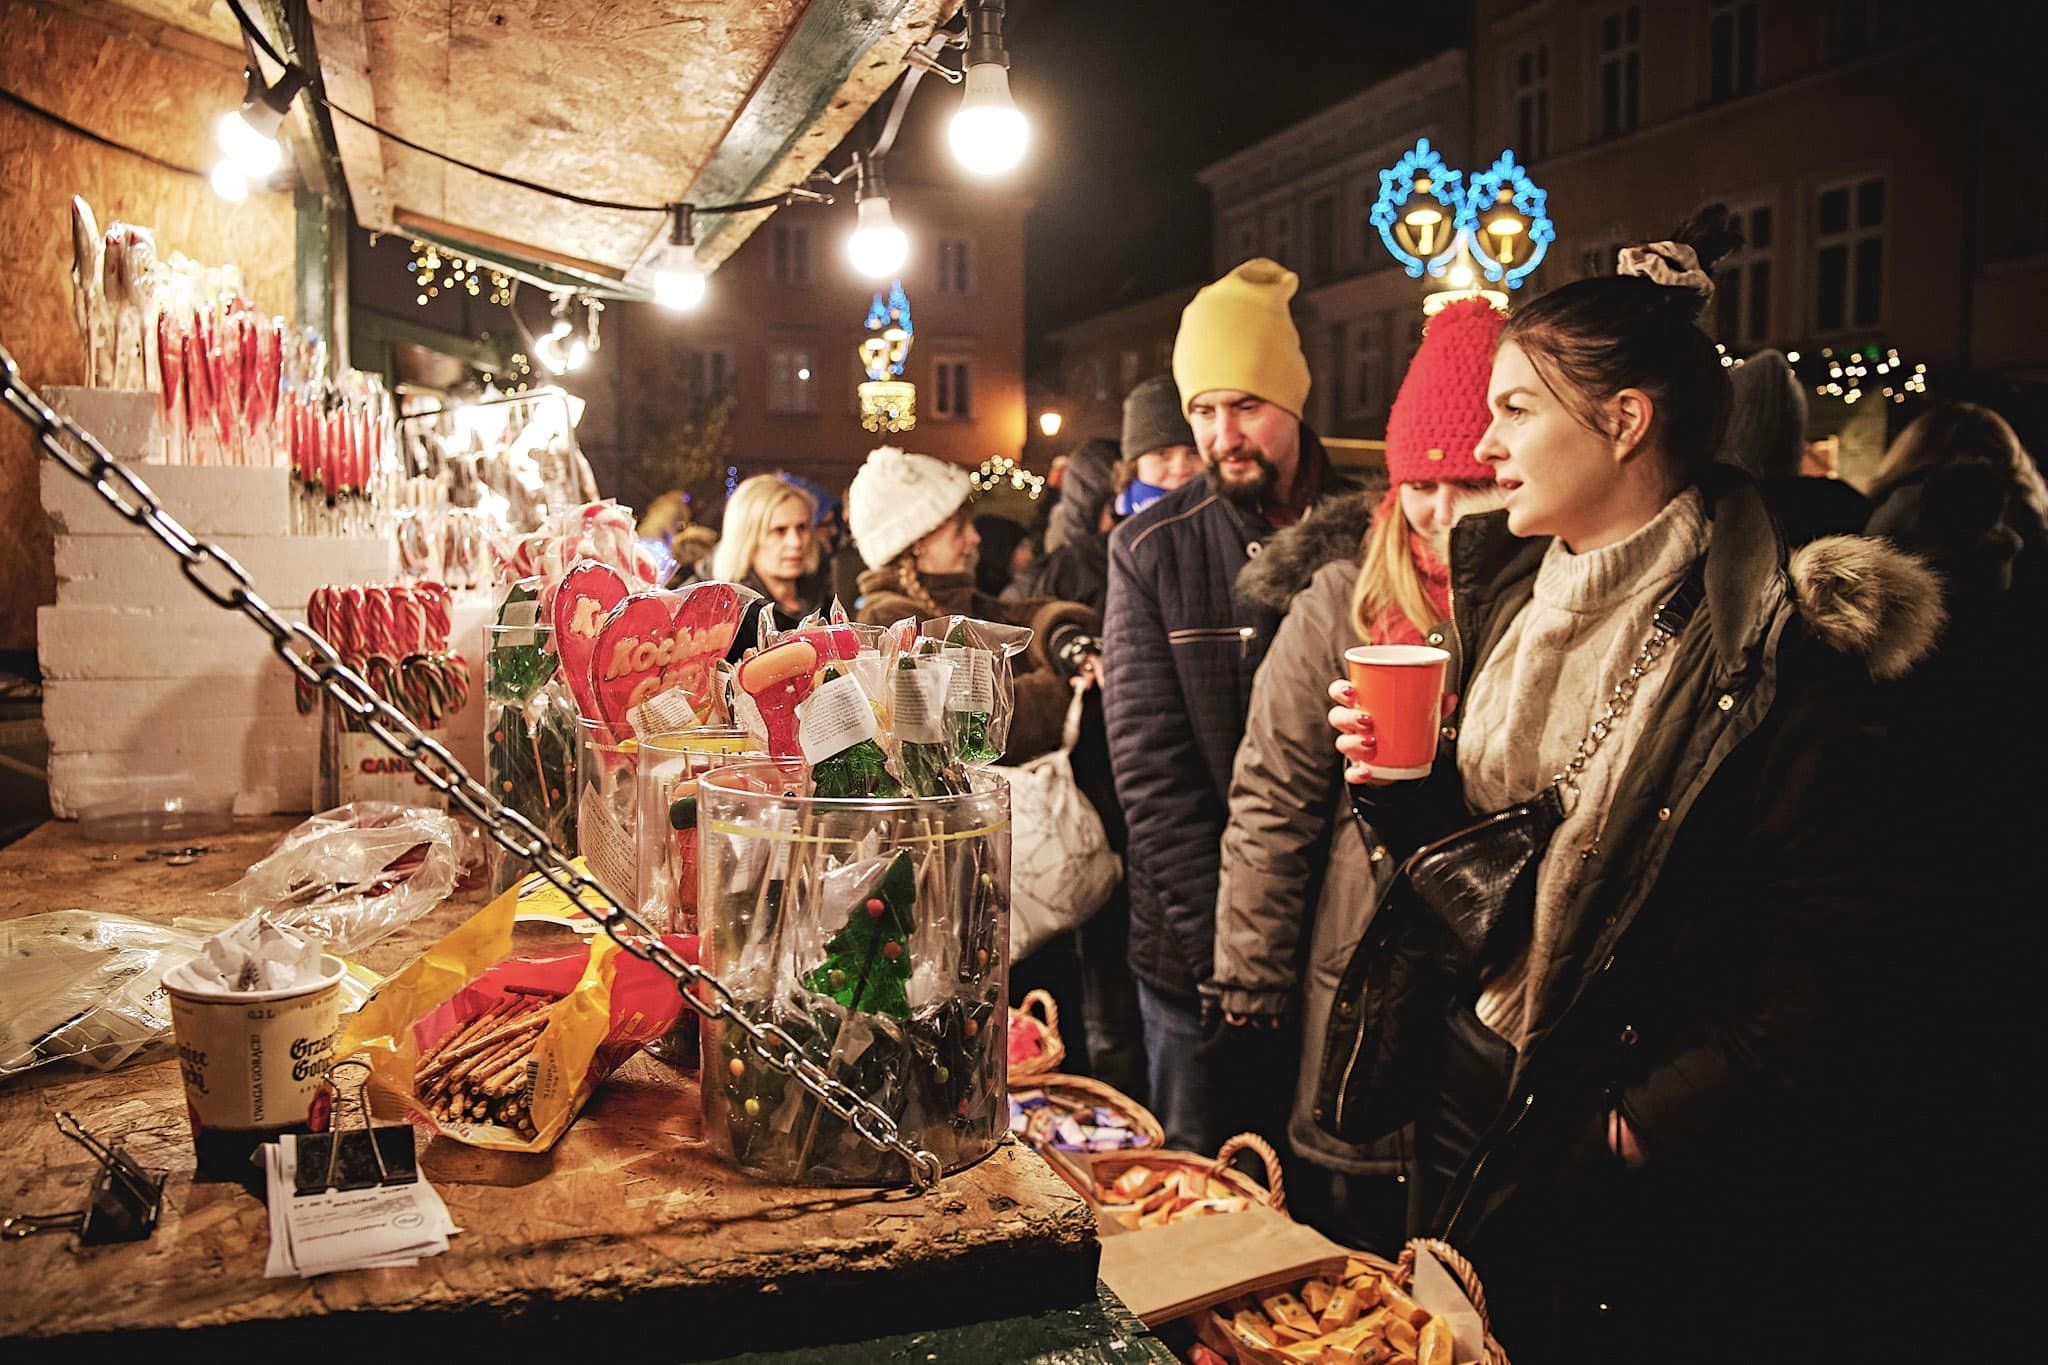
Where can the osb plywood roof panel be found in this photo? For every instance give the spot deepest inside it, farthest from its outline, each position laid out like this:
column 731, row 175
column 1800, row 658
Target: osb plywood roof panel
column 622, row 101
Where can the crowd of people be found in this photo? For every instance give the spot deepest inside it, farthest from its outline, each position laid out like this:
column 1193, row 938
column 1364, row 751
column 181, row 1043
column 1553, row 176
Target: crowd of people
column 1646, row 995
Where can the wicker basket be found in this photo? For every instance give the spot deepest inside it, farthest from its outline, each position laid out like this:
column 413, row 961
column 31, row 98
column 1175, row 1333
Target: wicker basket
column 1467, row 1278
column 1081, row 1092
column 1107, row 1166
column 1046, row 1024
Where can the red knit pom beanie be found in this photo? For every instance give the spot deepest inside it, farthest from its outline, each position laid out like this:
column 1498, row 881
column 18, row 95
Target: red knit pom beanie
column 1440, row 412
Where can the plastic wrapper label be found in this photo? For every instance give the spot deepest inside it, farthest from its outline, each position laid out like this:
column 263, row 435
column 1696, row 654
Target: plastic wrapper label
column 918, row 702
column 972, row 686
column 371, row 772
column 834, row 719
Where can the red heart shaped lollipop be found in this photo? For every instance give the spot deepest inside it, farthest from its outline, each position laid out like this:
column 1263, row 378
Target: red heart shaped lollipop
column 655, row 641
column 583, row 599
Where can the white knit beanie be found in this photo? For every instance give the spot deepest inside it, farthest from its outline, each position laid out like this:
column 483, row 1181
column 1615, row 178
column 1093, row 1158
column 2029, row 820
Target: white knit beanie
column 898, row 498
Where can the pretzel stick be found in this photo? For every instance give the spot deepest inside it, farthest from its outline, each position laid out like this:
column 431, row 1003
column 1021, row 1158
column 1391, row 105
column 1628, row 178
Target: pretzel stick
column 529, row 1023
column 472, row 1029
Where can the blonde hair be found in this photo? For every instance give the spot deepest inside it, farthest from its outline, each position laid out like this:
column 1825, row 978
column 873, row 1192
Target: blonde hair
column 1387, row 579
column 747, row 515
column 1962, row 431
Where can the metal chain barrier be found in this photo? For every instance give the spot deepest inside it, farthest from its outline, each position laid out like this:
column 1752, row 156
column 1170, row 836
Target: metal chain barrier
column 314, row 661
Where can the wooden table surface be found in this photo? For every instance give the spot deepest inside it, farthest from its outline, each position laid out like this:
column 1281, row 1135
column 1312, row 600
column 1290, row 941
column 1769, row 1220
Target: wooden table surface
column 629, row 1221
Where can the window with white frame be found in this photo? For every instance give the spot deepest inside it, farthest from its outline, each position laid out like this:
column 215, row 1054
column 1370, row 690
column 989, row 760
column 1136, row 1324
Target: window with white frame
column 1405, row 327
column 706, row 374
column 1731, row 48
column 1529, row 100
column 1129, row 367
column 791, row 259
column 1742, row 283
column 953, row 388
column 1619, row 67
column 1848, row 255
column 792, row 380
column 956, row 266
column 1366, row 368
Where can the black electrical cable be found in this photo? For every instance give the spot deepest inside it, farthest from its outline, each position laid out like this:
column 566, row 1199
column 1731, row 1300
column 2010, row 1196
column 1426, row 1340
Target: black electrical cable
column 31, row 107
column 587, row 201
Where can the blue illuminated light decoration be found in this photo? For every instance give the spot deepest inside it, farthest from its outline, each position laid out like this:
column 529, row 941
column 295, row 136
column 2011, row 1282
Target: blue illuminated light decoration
column 1420, row 177
column 1399, row 186
column 1528, row 201
column 732, row 479
column 884, row 317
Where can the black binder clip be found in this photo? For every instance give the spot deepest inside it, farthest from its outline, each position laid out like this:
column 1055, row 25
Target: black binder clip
column 126, row 1199
column 358, row 1158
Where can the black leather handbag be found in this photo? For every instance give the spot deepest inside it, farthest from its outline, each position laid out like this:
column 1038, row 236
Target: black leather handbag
column 1401, row 1046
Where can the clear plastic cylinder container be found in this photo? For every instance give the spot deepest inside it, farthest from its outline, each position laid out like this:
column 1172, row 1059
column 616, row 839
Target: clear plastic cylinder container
column 607, row 807
column 874, row 932
column 666, row 771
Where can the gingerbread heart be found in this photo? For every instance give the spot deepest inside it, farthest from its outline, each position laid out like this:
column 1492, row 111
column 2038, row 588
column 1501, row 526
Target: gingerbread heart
column 587, row 594
column 655, row 641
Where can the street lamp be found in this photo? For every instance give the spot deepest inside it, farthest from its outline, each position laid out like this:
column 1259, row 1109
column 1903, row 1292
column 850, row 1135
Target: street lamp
column 1049, row 423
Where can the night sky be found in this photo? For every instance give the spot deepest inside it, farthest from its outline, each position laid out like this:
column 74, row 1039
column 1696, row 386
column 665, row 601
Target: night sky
column 1129, row 98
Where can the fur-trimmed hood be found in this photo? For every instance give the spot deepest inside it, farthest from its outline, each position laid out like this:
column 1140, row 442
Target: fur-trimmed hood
column 1334, row 530
column 1863, row 597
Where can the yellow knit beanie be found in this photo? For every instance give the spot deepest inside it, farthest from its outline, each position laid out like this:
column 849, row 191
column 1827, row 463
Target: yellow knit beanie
column 1236, row 334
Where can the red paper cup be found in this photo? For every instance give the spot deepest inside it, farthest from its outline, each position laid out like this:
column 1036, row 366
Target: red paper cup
column 1402, row 688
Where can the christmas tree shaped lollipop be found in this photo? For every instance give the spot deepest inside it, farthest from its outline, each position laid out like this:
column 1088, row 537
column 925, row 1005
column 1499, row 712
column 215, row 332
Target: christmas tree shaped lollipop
column 867, row 963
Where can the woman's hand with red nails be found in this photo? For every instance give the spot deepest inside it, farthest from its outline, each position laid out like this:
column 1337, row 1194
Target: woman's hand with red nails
column 1355, row 739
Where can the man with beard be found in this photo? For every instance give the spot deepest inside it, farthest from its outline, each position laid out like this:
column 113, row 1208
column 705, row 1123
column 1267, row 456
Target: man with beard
column 1181, row 644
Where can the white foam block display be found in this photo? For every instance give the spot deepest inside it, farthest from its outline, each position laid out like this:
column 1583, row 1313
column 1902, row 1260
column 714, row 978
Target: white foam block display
column 137, row 571
column 205, row 501
column 123, row 421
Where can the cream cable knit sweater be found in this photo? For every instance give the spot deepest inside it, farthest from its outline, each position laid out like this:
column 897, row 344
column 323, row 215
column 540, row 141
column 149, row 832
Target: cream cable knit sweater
column 1536, row 697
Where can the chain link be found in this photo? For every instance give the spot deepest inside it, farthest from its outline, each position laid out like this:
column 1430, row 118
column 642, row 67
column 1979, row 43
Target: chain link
column 313, row 660
column 1617, row 705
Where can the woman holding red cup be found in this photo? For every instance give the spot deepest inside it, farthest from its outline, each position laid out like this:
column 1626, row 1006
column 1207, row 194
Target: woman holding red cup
column 1298, row 880
column 1658, row 1061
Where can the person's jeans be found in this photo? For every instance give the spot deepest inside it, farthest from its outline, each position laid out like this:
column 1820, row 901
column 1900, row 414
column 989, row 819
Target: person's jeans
column 1116, row 1031
column 1178, row 1080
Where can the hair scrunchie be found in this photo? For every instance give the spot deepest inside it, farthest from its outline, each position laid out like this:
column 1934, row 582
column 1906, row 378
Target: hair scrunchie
column 1671, row 264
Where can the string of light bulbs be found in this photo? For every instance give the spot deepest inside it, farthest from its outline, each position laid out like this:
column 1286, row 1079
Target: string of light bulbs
column 988, row 136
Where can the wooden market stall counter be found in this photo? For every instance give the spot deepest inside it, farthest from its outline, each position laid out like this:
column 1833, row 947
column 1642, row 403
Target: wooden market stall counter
column 630, row 1224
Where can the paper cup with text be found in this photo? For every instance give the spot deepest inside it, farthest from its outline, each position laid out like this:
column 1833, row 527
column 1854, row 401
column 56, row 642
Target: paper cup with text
column 1402, row 688
column 254, row 1062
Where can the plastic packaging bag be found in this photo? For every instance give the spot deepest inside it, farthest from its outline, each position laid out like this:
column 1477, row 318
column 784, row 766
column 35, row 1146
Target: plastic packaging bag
column 980, row 695
column 87, row 987
column 353, row 874
column 547, row 1027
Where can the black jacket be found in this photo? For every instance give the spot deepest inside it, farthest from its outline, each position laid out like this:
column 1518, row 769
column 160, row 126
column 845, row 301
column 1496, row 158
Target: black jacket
column 1181, row 644
column 1729, row 976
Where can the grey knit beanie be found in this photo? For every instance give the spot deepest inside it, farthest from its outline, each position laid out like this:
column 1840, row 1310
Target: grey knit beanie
column 1767, row 418
column 1153, row 419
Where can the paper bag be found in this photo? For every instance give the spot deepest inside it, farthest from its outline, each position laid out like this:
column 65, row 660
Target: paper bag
column 1170, row 1271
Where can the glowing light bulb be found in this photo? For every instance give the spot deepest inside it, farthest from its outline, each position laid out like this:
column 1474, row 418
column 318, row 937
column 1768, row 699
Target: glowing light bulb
column 1460, row 276
column 877, row 248
column 1049, row 423
column 231, row 184
column 988, row 133
column 248, row 137
column 679, row 282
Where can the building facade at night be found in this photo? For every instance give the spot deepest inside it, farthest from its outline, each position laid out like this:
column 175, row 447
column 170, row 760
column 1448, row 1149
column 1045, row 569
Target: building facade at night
column 1864, row 201
column 1300, row 197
